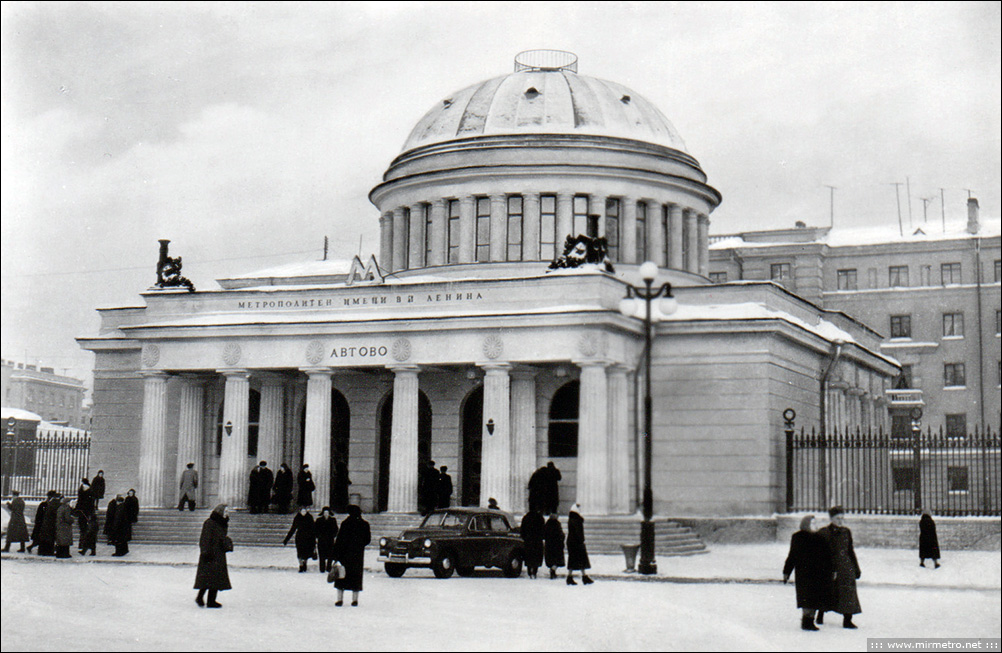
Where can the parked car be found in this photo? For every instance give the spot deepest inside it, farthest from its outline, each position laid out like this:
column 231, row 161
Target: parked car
column 456, row 539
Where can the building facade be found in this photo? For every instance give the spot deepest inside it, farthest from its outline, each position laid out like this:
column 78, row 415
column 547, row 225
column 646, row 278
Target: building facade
column 56, row 398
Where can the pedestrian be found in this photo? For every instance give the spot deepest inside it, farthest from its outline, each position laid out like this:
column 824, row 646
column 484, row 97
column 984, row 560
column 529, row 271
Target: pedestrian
column 532, row 529
column 48, row 534
column 928, row 541
column 97, row 486
column 304, row 528
column 259, row 493
column 341, row 483
column 85, row 505
column 89, row 525
column 64, row 528
column 189, row 486
column 577, row 553
column 544, row 489
column 36, row 528
column 349, row 550
column 306, row 486
column 492, row 504
column 427, row 487
column 810, row 560
column 444, row 488
column 553, row 535
column 131, row 505
column 282, row 496
column 121, row 529
column 17, row 528
column 213, row 545
column 844, row 599
column 109, row 520
column 326, row 528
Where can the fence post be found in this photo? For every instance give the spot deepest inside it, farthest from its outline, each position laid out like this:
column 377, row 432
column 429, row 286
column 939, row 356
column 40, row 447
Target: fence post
column 916, row 416
column 789, row 415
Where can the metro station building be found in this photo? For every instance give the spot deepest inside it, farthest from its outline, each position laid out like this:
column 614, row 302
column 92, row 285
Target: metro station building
column 456, row 343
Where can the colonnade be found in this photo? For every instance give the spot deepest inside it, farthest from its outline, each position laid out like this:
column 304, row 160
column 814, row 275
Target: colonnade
column 850, row 407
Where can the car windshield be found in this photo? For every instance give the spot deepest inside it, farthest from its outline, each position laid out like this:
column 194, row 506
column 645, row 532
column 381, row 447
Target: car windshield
column 445, row 520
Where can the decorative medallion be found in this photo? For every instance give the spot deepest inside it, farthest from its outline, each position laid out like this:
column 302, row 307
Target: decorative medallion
column 151, row 355
column 588, row 344
column 314, row 352
column 401, row 349
column 493, row 346
column 231, row 354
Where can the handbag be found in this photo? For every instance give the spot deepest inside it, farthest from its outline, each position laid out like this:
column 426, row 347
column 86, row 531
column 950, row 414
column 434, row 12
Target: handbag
column 227, row 544
column 336, row 572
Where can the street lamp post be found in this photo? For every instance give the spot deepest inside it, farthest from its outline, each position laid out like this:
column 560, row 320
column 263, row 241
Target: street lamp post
column 629, row 306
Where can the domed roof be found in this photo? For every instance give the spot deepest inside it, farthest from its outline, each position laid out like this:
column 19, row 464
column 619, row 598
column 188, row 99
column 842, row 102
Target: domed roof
column 545, row 101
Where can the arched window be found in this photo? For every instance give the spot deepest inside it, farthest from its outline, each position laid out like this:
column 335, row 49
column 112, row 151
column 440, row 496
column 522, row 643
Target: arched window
column 563, row 425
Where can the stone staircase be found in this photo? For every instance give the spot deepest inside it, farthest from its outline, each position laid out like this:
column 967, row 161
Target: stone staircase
column 604, row 535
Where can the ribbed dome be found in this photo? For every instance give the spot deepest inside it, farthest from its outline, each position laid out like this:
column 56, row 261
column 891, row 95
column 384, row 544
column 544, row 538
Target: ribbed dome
column 545, row 102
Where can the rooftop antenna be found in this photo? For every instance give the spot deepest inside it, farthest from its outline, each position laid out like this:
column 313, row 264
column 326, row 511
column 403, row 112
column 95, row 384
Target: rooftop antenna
column 897, row 193
column 831, row 210
column 908, row 184
column 942, row 206
column 359, row 244
column 925, row 207
column 325, row 248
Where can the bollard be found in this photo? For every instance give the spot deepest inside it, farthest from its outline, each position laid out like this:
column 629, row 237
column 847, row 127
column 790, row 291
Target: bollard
column 630, row 553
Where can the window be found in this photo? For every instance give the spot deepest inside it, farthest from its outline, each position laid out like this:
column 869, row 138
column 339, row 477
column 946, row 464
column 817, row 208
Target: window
column 956, row 479
column 453, row 235
column 847, row 279
column 953, row 325
column 780, row 271
column 515, row 228
column 718, row 277
column 612, row 227
column 641, row 232
column 904, row 380
column 580, row 216
column 253, row 422
column 547, row 227
column 563, row 426
column 428, row 231
column 901, row 427
column 950, row 273
column 897, row 276
column 956, row 426
column 901, row 326
column 483, row 222
column 904, row 479
column 953, row 375
column 998, row 270
column 998, row 322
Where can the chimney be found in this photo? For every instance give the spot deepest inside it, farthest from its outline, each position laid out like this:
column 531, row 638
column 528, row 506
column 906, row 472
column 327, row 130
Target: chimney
column 973, row 224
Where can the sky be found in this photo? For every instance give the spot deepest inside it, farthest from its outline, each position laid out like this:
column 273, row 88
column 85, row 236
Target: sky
column 247, row 132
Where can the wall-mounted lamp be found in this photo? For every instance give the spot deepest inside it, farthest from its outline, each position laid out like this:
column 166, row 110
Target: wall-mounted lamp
column 490, row 427
column 229, row 428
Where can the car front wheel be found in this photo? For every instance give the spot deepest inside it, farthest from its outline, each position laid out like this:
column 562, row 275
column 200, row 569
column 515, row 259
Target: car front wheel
column 513, row 567
column 443, row 565
column 395, row 569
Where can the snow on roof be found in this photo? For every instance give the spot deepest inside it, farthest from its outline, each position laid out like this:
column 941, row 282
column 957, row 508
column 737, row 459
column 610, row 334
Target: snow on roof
column 300, row 269
column 67, row 430
column 17, row 413
column 753, row 310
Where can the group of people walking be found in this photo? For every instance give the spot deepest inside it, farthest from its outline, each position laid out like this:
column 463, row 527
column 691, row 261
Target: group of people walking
column 545, row 542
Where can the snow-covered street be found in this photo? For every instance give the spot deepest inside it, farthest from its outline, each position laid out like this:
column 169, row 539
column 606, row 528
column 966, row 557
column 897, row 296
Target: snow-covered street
column 49, row 605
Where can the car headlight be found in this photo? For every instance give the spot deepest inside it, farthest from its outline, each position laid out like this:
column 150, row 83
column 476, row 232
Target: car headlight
column 427, row 544
column 382, row 541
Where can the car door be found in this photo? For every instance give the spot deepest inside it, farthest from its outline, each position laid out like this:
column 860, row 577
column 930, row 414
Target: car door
column 498, row 544
column 479, row 539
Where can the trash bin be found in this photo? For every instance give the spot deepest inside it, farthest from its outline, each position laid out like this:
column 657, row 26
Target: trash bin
column 630, row 553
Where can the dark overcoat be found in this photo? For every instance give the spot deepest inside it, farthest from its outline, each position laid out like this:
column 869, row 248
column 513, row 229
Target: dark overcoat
column 36, row 528
column 48, row 533
column 810, row 562
column 131, row 506
column 109, row 520
column 326, row 528
column 85, row 500
column 121, row 529
column 89, row 525
column 554, row 548
column 304, row 528
column 306, row 487
column 349, row 550
column 532, row 529
column 928, row 541
column 213, row 544
column 444, row 489
column 844, row 599
column 97, row 487
column 283, row 487
column 577, row 554
column 64, row 523
column 17, row 528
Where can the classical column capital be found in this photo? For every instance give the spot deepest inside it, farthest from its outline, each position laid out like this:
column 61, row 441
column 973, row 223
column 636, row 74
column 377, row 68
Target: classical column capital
column 233, row 372
column 494, row 368
column 317, row 371
column 401, row 369
column 154, row 374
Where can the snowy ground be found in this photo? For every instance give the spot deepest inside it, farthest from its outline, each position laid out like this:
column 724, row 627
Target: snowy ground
column 146, row 604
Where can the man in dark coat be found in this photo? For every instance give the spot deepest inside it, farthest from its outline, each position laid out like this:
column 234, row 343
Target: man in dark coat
column 304, row 528
column 340, row 486
column 577, row 554
column 109, row 519
column 213, row 545
column 844, row 599
column 261, row 480
column 444, row 488
column 326, row 528
column 17, row 528
column 553, row 535
column 97, row 487
column 532, row 530
column 89, row 525
column 188, row 487
column 306, row 486
column 37, row 527
column 47, row 546
column 282, row 496
column 349, row 550
column 64, row 528
column 544, row 489
column 810, row 560
column 928, row 541
column 85, row 505
column 131, row 505
column 427, row 487
column 121, row 528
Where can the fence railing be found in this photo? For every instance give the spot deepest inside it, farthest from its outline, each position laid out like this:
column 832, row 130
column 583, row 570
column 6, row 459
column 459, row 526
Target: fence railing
column 875, row 472
column 35, row 462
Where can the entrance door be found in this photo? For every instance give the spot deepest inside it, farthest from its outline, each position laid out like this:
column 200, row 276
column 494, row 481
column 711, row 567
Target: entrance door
column 340, row 436
column 473, row 424
column 385, row 440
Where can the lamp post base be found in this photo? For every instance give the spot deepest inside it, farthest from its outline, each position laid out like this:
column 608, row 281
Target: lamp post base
column 648, row 564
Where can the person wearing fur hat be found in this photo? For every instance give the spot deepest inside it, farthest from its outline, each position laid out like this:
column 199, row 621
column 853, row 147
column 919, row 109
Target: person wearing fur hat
column 304, row 528
column 212, row 575
column 326, row 529
column 844, row 599
column 810, row 560
column 577, row 554
column 64, row 528
column 349, row 550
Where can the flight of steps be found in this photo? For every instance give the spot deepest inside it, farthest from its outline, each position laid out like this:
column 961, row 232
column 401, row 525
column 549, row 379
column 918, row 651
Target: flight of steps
column 604, row 535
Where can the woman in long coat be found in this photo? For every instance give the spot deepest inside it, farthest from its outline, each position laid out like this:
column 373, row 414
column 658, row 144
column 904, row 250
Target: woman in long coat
column 131, row 506
column 282, row 489
column 17, row 528
column 844, row 599
column 577, row 554
column 326, row 528
column 212, row 574
column 532, row 530
column 810, row 560
column 64, row 528
column 349, row 550
column 121, row 530
column 109, row 520
column 304, row 529
column 306, row 486
column 38, row 527
column 47, row 545
column 553, row 533
column 928, row 541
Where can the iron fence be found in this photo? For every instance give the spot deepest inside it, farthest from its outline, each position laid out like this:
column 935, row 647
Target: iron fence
column 36, row 461
column 880, row 473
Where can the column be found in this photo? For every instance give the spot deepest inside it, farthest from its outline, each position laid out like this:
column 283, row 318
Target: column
column 619, row 440
column 704, row 245
column 439, row 254
column 386, row 241
column 495, row 466
column 467, row 229
column 233, row 464
column 400, row 229
column 676, row 259
column 523, row 436
column 153, row 440
column 271, row 429
column 404, row 440
column 655, row 234
column 499, row 227
column 565, row 220
column 530, row 227
column 691, row 241
column 628, row 230
column 416, row 246
column 190, row 433
column 317, row 437
column 593, row 444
